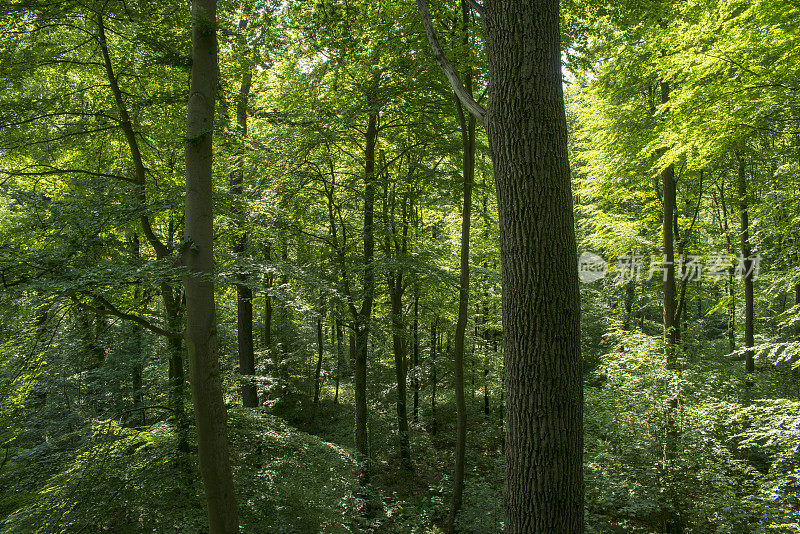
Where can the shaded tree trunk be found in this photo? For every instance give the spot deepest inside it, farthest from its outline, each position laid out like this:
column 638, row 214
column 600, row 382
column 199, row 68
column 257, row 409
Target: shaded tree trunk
column 434, row 379
column 362, row 316
column 201, row 327
column 320, row 349
column 415, row 355
column 527, row 132
column 749, row 340
column 268, row 301
column 667, row 243
column 244, row 295
column 336, row 338
column 468, row 172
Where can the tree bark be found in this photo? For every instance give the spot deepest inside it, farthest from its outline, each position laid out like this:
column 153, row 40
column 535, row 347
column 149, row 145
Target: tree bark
column 201, row 327
column 527, row 132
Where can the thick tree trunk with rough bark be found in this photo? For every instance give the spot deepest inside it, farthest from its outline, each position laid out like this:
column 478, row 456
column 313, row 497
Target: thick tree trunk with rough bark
column 541, row 313
column 201, row 327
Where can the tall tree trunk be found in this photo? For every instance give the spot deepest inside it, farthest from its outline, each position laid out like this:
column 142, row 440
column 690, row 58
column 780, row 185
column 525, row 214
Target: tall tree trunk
column 797, row 303
column 244, row 295
column 434, row 341
column 748, row 271
column 136, row 371
column 397, row 245
column 363, row 316
column 415, row 354
column 177, row 380
column 201, row 327
column 669, row 305
column 468, row 171
column 401, row 367
column 527, row 132
column 336, row 340
column 268, row 301
column 320, row 350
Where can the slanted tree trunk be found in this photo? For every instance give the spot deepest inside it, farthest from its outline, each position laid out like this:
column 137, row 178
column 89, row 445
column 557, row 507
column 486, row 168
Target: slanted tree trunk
column 201, row 324
column 172, row 304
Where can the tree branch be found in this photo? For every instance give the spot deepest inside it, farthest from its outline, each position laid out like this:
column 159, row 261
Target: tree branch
column 111, row 310
column 447, row 67
column 477, row 7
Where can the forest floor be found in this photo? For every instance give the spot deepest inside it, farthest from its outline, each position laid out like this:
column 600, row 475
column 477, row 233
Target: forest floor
column 399, row 500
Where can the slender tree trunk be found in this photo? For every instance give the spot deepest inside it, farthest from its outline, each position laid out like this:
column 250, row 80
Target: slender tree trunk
column 672, row 519
column 468, row 172
column 668, row 179
column 401, row 367
column 136, row 371
column 268, row 301
column 415, row 354
column 362, row 317
column 749, row 340
column 527, row 132
column 244, row 295
column 172, row 305
column 320, row 349
column 177, row 380
column 434, row 341
column 797, row 303
column 201, row 327
column 336, row 339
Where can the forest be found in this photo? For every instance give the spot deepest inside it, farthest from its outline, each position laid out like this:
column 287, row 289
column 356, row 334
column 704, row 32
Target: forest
column 430, row 266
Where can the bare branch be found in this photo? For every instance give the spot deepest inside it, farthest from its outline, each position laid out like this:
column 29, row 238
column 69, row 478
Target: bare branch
column 447, row 67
